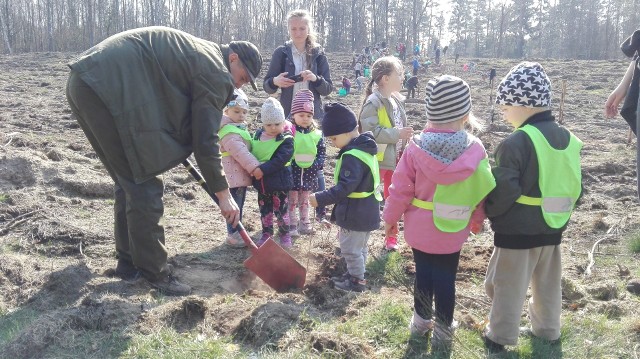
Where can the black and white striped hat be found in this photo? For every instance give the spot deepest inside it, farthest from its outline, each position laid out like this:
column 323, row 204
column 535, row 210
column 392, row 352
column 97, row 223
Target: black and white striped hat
column 448, row 99
column 525, row 85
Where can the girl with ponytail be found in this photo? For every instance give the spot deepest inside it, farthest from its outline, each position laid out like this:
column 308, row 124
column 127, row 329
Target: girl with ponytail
column 383, row 114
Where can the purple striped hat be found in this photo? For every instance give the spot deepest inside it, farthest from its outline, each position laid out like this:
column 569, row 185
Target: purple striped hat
column 302, row 102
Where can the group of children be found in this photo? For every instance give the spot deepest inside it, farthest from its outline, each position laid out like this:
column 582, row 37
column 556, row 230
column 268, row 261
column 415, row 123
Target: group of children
column 281, row 160
column 440, row 181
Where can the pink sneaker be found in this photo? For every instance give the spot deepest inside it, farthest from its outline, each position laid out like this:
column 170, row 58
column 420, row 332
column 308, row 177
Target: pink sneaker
column 285, row 241
column 391, row 243
column 265, row 237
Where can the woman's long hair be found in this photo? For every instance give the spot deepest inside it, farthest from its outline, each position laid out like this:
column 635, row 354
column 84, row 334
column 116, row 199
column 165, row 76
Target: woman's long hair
column 312, row 37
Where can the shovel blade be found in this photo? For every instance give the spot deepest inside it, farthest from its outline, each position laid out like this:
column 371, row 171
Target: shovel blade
column 276, row 267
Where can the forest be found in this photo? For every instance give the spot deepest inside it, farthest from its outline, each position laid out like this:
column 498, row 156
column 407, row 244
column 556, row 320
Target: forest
column 576, row 29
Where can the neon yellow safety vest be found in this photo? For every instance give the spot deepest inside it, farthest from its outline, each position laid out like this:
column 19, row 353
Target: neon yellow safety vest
column 369, row 160
column 453, row 204
column 227, row 129
column 384, row 121
column 560, row 178
column 305, row 147
column 264, row 150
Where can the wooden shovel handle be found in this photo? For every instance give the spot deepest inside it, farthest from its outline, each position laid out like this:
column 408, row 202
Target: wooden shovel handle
column 198, row 177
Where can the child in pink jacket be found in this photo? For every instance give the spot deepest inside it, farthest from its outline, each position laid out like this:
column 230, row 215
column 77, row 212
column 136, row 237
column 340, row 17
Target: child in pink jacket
column 237, row 160
column 439, row 186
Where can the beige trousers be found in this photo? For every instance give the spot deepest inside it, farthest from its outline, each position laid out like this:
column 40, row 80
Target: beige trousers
column 508, row 276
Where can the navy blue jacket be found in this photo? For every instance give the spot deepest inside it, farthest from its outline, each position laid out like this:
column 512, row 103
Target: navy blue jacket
column 277, row 176
column 306, row 179
column 356, row 214
column 282, row 61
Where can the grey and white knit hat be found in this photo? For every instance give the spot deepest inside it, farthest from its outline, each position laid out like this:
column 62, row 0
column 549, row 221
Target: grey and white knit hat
column 271, row 112
column 525, row 85
column 448, row 99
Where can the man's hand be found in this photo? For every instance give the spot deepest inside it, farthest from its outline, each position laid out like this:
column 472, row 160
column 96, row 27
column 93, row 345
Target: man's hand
column 228, row 207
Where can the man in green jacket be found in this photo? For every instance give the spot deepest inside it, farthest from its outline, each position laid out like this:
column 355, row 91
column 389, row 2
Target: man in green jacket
column 146, row 99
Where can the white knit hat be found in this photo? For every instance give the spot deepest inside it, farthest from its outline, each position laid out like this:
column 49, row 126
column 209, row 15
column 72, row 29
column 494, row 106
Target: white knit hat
column 272, row 111
column 241, row 100
column 448, row 99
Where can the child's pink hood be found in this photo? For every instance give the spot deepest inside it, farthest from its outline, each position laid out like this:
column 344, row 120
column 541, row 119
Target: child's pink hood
column 416, row 176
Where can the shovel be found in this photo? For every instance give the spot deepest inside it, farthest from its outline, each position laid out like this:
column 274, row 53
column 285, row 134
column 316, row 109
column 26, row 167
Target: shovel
column 270, row 262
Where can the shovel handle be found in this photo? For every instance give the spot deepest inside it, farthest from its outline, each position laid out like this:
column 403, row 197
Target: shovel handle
column 198, row 177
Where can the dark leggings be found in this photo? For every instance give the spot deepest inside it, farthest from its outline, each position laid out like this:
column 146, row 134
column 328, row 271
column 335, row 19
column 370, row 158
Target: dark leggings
column 435, row 280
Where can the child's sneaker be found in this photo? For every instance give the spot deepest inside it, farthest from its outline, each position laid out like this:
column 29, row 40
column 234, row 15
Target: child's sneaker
column 306, row 228
column 265, row 237
column 443, row 335
column 352, row 284
column 294, row 233
column 492, row 347
column 341, row 278
column 235, row 240
column 419, row 325
column 285, row 241
column 391, row 243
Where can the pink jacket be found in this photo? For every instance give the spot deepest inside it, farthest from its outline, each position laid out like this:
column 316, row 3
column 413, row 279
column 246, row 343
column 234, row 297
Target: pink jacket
column 416, row 176
column 241, row 162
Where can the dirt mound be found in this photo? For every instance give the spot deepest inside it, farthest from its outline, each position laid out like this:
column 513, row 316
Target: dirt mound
column 268, row 323
column 333, row 344
column 17, row 172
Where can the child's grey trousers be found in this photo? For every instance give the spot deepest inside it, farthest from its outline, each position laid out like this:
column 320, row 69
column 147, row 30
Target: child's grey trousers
column 353, row 248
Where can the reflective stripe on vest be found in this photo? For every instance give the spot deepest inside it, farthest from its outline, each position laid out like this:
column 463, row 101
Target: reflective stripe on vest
column 560, row 178
column 305, row 148
column 384, row 121
column 368, row 160
column 264, row 150
column 453, row 204
column 229, row 128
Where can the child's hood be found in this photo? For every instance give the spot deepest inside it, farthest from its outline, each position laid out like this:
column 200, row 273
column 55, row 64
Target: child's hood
column 365, row 142
column 441, row 173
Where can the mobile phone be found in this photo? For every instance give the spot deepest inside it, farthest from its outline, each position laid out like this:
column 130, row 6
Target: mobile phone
column 296, row 78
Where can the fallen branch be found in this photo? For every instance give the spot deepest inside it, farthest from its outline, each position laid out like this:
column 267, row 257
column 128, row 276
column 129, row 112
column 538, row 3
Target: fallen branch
column 17, row 221
column 587, row 271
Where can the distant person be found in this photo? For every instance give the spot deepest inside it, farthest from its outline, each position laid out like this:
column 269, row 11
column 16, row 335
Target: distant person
column 360, row 81
column 444, row 51
column 384, row 114
column 412, row 84
column 346, row 84
column 492, row 75
column 443, row 166
column 457, row 56
column 147, row 99
column 538, row 182
column 416, row 50
column 437, row 59
column 303, row 56
column 358, row 69
column 354, row 195
column 416, row 65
